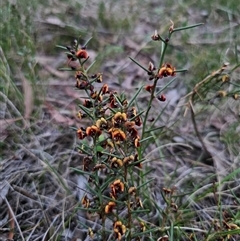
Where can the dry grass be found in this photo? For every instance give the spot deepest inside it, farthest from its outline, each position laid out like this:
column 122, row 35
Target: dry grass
column 197, row 153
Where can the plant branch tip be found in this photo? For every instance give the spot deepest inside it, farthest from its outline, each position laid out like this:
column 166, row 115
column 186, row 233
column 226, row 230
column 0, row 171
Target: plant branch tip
column 187, row 27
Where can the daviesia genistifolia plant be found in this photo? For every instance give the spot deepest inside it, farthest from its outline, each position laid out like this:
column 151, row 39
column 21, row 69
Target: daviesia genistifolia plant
column 113, row 144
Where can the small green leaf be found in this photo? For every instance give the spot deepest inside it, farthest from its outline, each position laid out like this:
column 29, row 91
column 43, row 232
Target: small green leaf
column 135, row 96
column 180, row 70
column 145, row 183
column 155, row 129
column 138, row 64
column 187, row 27
column 87, row 42
column 118, row 100
column 169, row 83
column 61, row 47
column 85, row 110
column 110, row 154
column 99, row 149
column 79, row 171
column 84, row 61
column 90, row 66
column 146, row 139
column 66, row 69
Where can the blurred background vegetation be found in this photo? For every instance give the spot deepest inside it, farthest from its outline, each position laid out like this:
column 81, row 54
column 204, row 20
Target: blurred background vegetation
column 37, row 101
column 30, row 32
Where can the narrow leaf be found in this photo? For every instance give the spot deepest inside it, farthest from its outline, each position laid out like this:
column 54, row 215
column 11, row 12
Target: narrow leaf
column 146, row 139
column 85, row 45
column 135, row 96
column 110, row 154
column 187, row 27
column 61, row 47
column 138, row 64
column 138, row 114
column 85, row 110
column 66, row 69
column 155, row 129
column 169, row 83
column 118, row 100
column 145, row 183
column 79, row 171
column 180, row 70
column 90, row 66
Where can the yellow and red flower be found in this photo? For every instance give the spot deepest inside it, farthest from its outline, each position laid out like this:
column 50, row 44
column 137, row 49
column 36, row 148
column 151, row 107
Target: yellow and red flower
column 116, row 187
column 119, row 229
column 151, row 67
column 93, row 131
column 99, row 167
column 102, row 123
column 99, row 78
column 109, row 207
column 163, row 238
column 166, row 70
column 81, row 134
column 82, row 54
column 149, row 88
column 81, row 115
column 162, row 98
column 133, row 133
column 85, row 201
column 113, row 103
column 132, row 191
column 78, row 75
column 117, row 134
column 137, row 141
column 116, row 162
column 128, row 160
column 105, row 89
column 142, row 226
column 155, row 36
column 236, row 96
column 88, row 103
column 119, row 119
column 95, row 94
column 136, row 161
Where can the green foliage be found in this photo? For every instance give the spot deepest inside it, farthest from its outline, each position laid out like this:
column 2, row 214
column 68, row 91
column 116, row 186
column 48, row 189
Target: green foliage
column 18, row 47
column 109, row 21
column 203, row 206
column 231, row 136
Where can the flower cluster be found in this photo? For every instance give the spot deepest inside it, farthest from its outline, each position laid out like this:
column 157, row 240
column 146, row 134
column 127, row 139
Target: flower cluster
column 166, row 70
column 112, row 145
column 115, row 121
column 109, row 144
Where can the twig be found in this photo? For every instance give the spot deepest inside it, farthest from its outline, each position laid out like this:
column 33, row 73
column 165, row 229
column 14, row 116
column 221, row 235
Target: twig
column 12, row 220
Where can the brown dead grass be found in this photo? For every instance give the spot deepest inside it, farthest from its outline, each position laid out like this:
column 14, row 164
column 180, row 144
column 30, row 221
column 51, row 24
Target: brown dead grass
column 39, row 191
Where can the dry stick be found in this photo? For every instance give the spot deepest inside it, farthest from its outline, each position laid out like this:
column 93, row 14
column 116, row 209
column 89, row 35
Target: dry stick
column 13, row 218
column 197, row 132
column 205, row 80
column 191, row 100
column 24, row 192
column 11, row 225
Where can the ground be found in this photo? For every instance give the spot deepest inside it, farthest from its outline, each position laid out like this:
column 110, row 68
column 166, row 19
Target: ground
column 196, row 149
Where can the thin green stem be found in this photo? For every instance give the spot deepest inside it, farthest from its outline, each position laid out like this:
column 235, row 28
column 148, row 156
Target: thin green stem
column 163, row 51
column 164, row 47
column 129, row 218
